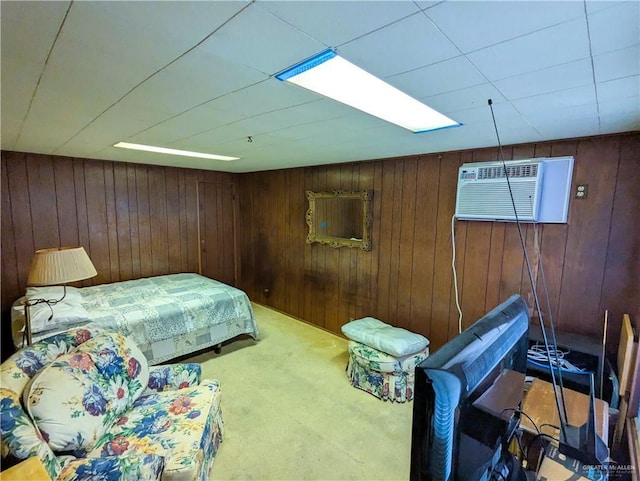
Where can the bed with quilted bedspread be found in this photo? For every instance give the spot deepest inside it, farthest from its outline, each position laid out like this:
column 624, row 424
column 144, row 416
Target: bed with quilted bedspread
column 167, row 316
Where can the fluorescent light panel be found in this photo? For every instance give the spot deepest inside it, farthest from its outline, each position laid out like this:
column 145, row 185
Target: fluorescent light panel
column 164, row 150
column 332, row 76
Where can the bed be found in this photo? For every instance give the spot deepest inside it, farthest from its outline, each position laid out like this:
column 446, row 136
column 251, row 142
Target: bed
column 167, row 316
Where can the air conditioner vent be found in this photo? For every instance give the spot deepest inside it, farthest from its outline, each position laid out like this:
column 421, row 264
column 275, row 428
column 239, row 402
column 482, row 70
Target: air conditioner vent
column 513, row 171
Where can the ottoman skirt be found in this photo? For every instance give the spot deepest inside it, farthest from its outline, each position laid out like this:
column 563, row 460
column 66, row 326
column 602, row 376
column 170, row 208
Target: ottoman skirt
column 381, row 374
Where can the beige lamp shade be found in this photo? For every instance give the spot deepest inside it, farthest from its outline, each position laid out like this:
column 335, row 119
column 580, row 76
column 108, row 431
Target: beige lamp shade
column 60, row 265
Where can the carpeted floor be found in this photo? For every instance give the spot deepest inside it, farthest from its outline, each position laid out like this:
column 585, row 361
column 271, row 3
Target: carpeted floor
column 290, row 412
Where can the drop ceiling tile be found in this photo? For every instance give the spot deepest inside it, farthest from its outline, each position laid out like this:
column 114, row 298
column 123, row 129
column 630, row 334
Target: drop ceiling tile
column 568, row 128
column 112, row 128
column 503, row 112
column 334, row 23
column 267, row 122
column 557, row 101
column 212, row 140
column 618, row 64
column 194, row 79
column 408, row 44
column 426, row 4
column 624, row 107
column 17, row 90
column 55, row 118
column 558, row 77
column 594, row 6
column 186, row 124
column 556, row 122
column 24, row 52
column 534, row 51
column 149, row 31
column 475, row 25
column 464, row 99
column 100, row 55
column 259, row 40
column 264, row 96
column 446, row 76
column 21, row 42
column 619, row 88
column 615, row 28
column 627, row 121
column 324, row 109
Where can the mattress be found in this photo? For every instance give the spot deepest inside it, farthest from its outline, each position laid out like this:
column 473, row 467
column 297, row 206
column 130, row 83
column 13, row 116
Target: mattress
column 167, row 316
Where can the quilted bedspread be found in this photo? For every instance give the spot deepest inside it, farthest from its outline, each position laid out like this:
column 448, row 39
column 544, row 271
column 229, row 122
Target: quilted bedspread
column 172, row 315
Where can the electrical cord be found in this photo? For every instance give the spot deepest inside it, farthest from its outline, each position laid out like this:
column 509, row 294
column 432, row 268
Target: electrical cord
column 539, row 436
column 550, row 425
column 455, row 275
column 539, row 355
column 520, row 411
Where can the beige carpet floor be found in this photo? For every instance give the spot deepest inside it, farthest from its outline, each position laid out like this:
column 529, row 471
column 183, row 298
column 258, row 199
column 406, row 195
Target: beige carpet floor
column 290, row 412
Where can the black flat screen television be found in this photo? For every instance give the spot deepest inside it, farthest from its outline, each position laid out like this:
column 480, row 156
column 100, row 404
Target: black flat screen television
column 466, row 400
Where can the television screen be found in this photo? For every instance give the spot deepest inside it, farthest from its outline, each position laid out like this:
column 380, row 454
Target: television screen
column 466, row 398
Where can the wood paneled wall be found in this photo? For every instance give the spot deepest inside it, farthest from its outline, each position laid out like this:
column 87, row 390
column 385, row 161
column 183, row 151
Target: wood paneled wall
column 590, row 264
column 141, row 220
column 134, row 220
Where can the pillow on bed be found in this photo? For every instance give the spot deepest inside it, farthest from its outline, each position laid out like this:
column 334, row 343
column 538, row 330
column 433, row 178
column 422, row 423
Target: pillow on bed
column 45, row 317
column 383, row 337
column 54, row 293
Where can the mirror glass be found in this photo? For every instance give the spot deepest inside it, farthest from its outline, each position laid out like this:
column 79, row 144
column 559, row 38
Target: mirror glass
column 340, row 218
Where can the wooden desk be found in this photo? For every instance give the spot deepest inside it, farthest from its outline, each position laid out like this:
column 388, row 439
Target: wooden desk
column 30, row 469
column 539, row 403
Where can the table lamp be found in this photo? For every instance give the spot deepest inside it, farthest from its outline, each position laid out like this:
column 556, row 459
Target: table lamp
column 53, row 267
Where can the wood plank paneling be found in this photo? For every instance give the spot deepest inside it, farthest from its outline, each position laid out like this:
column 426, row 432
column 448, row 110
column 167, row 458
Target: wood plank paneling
column 406, row 279
column 98, row 248
column 424, row 238
column 133, row 220
column 123, row 223
column 42, row 195
column 129, row 216
column 622, row 268
column 23, row 226
column 586, row 251
column 172, row 182
column 66, row 202
column 8, row 248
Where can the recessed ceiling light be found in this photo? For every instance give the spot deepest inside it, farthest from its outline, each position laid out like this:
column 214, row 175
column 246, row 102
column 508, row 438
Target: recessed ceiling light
column 332, row 76
column 164, row 150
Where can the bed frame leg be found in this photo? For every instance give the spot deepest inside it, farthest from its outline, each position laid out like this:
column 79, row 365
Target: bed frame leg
column 217, row 348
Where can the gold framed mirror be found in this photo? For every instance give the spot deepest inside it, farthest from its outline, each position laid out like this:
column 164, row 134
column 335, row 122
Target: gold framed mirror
column 340, row 218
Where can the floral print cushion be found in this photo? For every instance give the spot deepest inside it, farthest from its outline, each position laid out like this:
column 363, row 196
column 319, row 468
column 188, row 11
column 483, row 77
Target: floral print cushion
column 147, row 467
column 173, row 376
column 379, row 361
column 175, row 424
column 19, row 437
column 386, row 377
column 24, row 364
column 73, row 400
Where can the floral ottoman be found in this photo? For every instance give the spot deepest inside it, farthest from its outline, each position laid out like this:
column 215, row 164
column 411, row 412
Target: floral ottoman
column 383, row 358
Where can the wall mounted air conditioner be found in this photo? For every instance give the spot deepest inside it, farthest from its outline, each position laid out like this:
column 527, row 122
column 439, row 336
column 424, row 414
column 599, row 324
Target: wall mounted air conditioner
column 541, row 190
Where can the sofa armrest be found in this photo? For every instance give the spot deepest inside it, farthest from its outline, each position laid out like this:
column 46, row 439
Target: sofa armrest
column 173, row 376
column 133, row 467
column 19, row 439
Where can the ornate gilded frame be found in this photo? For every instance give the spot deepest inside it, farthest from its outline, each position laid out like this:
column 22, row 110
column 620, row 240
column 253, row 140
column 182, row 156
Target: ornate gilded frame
column 365, row 196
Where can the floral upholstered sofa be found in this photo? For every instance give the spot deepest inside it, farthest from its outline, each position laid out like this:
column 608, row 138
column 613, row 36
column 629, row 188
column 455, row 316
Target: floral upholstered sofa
column 86, row 403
